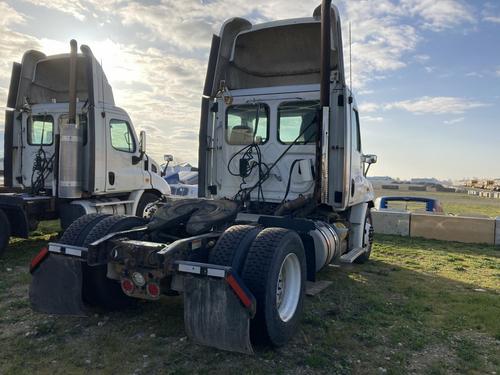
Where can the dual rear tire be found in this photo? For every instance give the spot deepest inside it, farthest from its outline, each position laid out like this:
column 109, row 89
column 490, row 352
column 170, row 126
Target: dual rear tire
column 97, row 288
column 272, row 264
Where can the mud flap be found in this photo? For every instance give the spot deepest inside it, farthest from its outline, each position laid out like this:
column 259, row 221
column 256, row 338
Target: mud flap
column 56, row 287
column 214, row 315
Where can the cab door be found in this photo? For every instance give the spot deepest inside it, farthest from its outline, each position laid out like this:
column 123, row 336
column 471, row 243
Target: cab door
column 357, row 182
column 123, row 173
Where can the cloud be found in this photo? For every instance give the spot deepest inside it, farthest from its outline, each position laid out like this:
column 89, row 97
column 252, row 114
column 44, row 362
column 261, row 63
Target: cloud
column 454, row 121
column 494, row 19
column 365, row 107
column 371, row 119
column 422, row 58
column 439, row 15
column 474, row 74
column 436, row 105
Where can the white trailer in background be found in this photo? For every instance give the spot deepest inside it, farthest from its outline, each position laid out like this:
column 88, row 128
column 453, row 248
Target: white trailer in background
column 68, row 149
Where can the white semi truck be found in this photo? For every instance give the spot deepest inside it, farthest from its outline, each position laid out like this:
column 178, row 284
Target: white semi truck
column 68, row 149
column 282, row 187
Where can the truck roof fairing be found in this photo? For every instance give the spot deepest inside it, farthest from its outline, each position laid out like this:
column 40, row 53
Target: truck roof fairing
column 278, row 53
column 46, row 78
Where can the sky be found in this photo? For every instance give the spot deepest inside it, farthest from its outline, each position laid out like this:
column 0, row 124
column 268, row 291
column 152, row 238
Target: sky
column 426, row 73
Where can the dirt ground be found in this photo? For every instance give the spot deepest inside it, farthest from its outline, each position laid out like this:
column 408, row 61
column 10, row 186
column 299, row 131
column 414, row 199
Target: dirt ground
column 418, row 306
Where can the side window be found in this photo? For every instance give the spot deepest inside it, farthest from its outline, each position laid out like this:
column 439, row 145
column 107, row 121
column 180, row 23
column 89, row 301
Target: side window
column 121, row 136
column 356, row 133
column 298, row 120
column 41, row 130
column 247, row 123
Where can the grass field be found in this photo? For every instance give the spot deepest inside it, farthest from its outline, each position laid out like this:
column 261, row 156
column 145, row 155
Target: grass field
column 454, row 203
column 418, row 306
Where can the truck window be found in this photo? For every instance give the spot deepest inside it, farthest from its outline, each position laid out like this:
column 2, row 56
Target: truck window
column 121, row 136
column 242, row 127
column 298, row 118
column 40, row 130
column 356, row 133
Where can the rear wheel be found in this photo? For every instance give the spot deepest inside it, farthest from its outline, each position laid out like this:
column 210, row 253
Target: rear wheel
column 76, row 233
column 98, row 289
column 275, row 272
column 4, row 232
column 232, row 247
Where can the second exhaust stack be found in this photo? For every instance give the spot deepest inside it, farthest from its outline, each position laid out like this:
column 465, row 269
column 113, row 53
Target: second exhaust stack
column 70, row 146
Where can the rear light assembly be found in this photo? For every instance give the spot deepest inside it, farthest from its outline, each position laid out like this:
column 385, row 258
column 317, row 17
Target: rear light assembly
column 38, row 259
column 127, row 286
column 153, row 290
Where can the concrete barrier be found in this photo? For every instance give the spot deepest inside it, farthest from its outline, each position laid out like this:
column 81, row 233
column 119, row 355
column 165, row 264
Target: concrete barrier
column 390, row 222
column 453, row 228
column 438, row 227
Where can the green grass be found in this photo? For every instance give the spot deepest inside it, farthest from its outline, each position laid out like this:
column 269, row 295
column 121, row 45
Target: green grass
column 455, row 203
column 418, row 306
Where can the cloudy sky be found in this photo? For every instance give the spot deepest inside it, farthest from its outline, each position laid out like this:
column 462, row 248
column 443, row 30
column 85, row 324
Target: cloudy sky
column 426, row 72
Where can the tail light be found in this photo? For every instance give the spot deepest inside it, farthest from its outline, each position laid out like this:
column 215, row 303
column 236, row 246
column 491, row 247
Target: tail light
column 35, row 262
column 127, row 286
column 153, row 290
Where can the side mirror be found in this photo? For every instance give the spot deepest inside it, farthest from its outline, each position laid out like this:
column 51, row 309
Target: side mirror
column 142, row 142
column 369, row 159
column 168, row 158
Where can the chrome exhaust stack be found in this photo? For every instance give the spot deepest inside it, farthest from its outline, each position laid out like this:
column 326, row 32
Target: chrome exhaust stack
column 70, row 146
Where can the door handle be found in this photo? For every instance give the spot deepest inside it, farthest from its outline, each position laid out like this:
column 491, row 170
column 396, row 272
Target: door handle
column 353, row 186
column 111, row 178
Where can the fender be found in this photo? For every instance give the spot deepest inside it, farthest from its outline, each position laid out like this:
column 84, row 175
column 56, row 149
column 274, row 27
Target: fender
column 357, row 217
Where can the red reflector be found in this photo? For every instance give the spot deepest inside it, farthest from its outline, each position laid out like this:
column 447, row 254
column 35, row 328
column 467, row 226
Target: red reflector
column 35, row 262
column 127, row 286
column 247, row 302
column 153, row 289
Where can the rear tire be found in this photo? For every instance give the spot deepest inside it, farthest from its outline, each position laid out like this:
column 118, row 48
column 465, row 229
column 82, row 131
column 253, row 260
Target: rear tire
column 76, row 233
column 279, row 294
column 98, row 289
column 232, row 247
column 5, row 232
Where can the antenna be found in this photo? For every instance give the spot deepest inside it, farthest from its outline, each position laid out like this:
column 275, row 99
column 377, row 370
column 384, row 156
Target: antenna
column 350, row 58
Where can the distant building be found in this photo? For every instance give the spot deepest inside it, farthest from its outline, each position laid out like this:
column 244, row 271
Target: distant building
column 424, row 181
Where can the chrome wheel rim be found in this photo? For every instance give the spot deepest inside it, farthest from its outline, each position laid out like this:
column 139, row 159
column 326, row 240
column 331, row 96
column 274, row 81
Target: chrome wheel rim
column 288, row 287
column 149, row 210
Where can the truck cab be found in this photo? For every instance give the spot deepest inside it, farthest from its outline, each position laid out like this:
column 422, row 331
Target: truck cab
column 265, row 111
column 65, row 168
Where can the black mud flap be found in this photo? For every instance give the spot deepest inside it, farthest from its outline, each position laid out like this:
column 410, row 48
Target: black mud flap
column 214, row 315
column 56, row 287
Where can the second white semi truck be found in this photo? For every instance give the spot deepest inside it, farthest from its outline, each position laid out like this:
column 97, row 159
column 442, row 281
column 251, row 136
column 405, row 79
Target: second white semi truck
column 69, row 150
